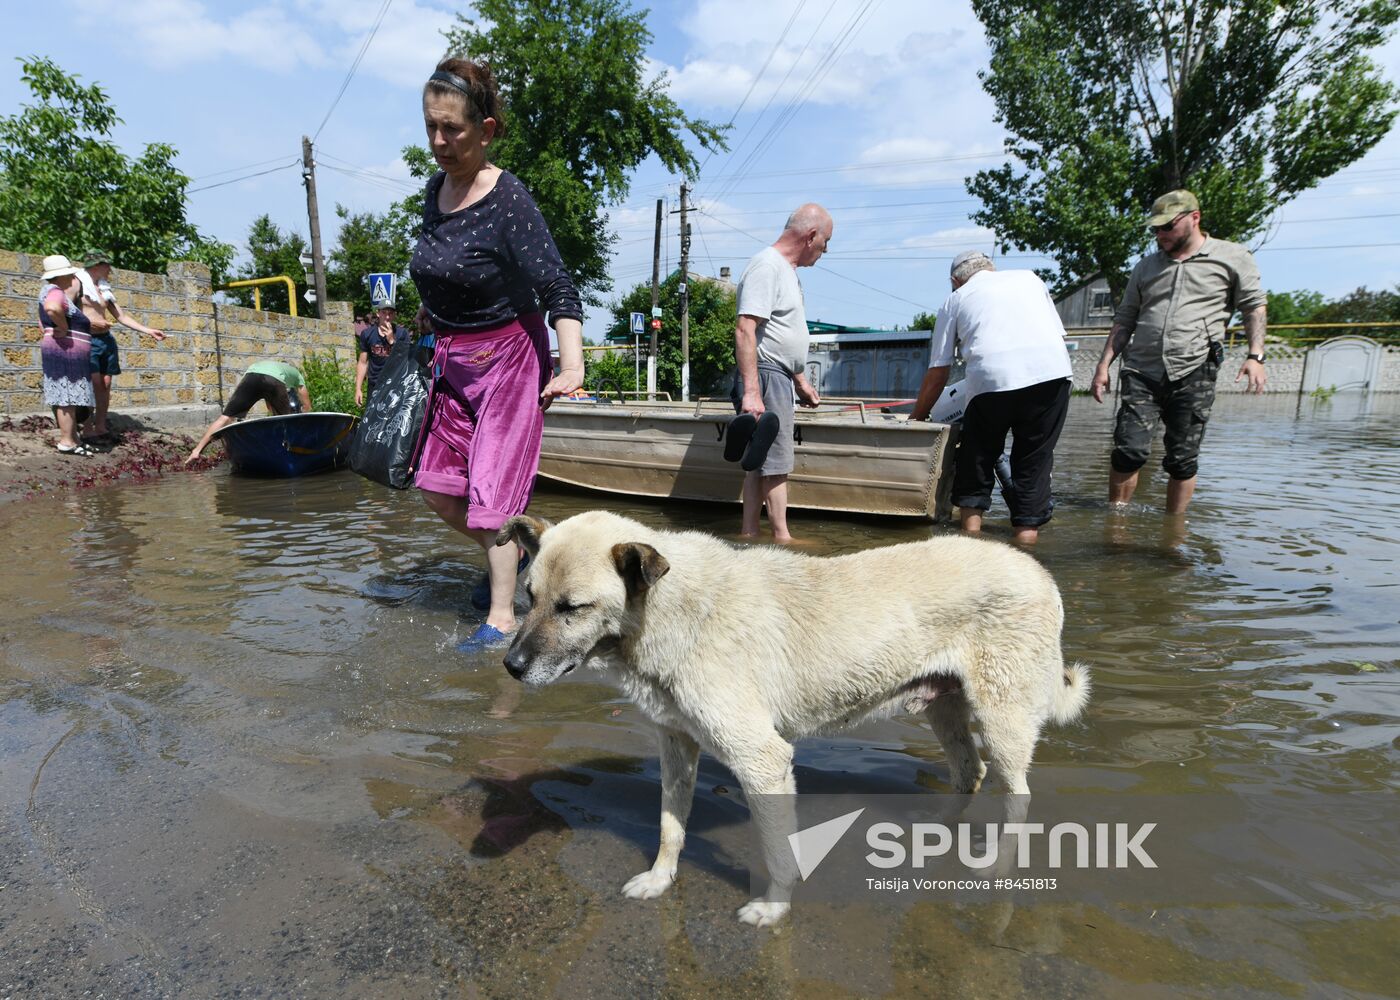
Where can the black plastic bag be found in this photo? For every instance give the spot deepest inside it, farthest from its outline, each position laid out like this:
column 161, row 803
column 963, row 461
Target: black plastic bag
column 387, row 438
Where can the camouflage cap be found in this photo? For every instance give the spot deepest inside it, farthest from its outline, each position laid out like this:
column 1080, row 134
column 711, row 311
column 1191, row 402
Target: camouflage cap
column 96, row 256
column 1170, row 205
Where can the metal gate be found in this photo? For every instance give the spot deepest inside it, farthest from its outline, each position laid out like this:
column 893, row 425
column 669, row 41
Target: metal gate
column 1344, row 364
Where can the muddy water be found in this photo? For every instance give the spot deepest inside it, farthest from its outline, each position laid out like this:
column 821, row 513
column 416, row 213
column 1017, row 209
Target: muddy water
column 239, row 755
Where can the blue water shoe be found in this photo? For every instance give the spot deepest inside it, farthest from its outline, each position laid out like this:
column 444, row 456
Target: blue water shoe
column 485, row 637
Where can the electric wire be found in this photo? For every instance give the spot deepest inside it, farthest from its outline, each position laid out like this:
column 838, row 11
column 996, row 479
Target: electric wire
column 759, row 76
column 364, row 47
column 246, row 177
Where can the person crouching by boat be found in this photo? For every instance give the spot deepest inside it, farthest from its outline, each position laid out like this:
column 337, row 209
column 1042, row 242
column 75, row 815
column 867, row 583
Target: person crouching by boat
column 487, row 269
column 64, row 351
column 1018, row 382
column 277, row 384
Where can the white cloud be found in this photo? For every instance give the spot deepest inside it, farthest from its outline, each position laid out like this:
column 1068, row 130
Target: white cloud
column 917, row 160
column 961, row 237
column 317, row 34
column 180, row 33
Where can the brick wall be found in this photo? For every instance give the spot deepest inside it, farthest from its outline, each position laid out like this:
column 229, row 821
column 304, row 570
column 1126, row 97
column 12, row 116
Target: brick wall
column 208, row 346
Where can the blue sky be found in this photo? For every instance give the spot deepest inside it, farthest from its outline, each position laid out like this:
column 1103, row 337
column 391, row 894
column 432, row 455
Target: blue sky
column 883, row 137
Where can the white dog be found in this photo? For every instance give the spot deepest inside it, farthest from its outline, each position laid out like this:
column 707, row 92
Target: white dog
column 739, row 651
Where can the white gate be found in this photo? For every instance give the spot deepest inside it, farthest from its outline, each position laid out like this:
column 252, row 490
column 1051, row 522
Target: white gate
column 1345, row 364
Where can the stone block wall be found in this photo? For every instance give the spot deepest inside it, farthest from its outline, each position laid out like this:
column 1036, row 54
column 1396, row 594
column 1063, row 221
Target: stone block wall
column 1285, row 366
column 208, row 345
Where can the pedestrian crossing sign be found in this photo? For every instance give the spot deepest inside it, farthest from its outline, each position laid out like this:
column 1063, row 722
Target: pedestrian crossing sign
column 383, row 289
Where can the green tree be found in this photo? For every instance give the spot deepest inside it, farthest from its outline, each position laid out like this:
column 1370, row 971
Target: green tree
column 272, row 253
column 580, row 115
column 1110, row 103
column 923, row 321
column 372, row 243
column 66, row 187
column 1364, row 306
column 712, row 313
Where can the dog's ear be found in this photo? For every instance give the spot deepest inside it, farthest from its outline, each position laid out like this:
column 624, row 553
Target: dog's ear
column 639, row 565
column 525, row 530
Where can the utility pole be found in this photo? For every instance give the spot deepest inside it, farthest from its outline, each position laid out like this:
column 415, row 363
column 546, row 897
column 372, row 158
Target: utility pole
column 655, row 302
column 308, row 177
column 685, row 297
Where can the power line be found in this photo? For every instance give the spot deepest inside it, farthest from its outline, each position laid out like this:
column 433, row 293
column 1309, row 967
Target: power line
column 828, row 270
column 354, row 66
column 366, row 177
column 759, row 76
column 778, row 89
column 352, row 167
column 833, row 51
column 235, row 170
column 236, row 180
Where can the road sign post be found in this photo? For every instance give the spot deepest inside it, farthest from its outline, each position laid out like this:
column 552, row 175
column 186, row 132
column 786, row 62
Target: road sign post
column 638, row 326
column 383, row 289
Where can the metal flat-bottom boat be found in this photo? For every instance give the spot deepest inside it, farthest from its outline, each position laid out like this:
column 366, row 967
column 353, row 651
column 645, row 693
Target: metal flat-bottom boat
column 851, row 456
column 296, row 444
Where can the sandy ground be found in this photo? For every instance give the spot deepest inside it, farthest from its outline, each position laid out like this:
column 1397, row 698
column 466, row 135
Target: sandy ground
column 31, row 466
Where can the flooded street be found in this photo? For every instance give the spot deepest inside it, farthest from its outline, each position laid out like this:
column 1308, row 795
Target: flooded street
column 239, row 755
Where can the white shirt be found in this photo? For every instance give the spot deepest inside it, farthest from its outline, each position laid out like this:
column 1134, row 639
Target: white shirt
column 770, row 292
column 95, row 291
column 1010, row 333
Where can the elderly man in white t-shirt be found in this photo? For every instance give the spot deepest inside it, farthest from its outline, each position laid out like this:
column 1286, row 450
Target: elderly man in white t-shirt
column 1018, row 380
column 770, row 347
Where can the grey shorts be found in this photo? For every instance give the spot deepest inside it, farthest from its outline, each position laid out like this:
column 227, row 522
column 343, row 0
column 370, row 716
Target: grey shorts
column 775, row 386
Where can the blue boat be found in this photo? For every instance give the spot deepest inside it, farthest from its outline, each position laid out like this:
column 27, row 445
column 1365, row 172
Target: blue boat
column 297, row 444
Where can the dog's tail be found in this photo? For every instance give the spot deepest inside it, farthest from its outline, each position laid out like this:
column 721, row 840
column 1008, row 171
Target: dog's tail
column 1072, row 695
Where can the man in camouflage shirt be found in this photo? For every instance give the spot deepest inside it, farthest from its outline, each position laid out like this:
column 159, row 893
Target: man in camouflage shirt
column 1170, row 330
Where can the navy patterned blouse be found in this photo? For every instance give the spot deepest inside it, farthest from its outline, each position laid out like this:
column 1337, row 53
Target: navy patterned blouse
column 490, row 262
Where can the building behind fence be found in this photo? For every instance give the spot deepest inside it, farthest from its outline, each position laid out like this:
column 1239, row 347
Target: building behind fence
column 854, row 361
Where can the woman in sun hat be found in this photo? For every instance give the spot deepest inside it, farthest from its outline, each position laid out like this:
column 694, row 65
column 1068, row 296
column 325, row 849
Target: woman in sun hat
column 65, row 349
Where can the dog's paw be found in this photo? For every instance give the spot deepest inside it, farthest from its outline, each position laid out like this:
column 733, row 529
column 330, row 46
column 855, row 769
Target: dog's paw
column 648, row 885
column 763, row 912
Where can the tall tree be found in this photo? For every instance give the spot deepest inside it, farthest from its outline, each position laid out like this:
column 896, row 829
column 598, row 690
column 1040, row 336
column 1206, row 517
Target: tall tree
column 272, row 252
column 580, row 114
column 1111, row 103
column 66, row 187
column 372, row 243
column 712, row 312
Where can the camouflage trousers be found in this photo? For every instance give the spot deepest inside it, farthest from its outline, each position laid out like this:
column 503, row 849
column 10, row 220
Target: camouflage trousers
column 1181, row 405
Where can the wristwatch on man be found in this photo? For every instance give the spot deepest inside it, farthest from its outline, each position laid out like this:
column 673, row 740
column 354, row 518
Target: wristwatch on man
column 1255, row 357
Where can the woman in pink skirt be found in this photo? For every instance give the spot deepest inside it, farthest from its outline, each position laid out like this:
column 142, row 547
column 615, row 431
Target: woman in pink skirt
column 65, row 351
column 487, row 271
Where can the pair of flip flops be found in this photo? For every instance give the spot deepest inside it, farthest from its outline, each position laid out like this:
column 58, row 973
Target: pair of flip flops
column 81, row 449
column 748, row 439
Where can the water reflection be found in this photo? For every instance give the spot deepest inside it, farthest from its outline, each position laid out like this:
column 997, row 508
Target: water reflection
column 238, row 739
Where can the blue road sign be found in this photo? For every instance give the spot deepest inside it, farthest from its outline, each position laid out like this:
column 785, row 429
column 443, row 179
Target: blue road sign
column 639, row 324
column 383, row 289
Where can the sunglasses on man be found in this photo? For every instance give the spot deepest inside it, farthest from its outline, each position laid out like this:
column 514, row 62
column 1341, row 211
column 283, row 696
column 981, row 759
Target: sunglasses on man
column 1167, row 225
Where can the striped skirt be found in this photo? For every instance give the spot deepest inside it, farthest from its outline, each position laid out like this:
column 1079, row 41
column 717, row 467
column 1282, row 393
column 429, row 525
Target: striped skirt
column 67, row 369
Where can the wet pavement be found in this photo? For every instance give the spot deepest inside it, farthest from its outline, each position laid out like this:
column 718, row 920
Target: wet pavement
column 239, row 755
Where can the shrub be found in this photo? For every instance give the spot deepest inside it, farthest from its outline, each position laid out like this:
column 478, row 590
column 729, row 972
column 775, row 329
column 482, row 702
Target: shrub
column 331, row 384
